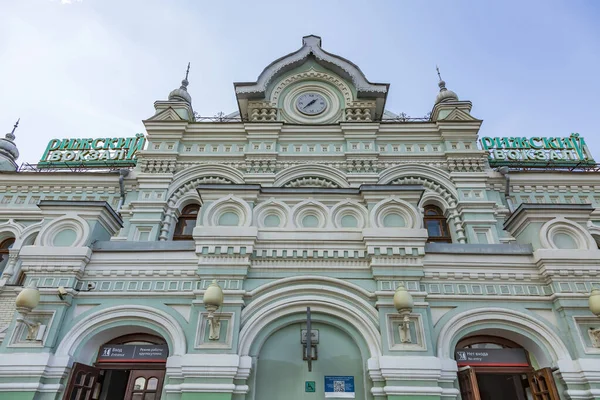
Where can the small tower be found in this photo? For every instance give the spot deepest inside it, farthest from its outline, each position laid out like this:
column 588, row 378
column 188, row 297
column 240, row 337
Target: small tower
column 179, row 104
column 8, row 151
column 447, row 105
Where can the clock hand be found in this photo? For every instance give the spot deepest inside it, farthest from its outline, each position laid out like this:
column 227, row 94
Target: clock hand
column 309, row 103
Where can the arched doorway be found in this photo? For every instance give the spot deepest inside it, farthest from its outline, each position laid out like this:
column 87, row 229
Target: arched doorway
column 495, row 368
column 130, row 367
column 281, row 372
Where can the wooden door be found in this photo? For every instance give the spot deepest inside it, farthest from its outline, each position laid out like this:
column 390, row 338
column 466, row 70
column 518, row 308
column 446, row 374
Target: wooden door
column 468, row 384
column 83, row 383
column 144, row 384
column 541, row 383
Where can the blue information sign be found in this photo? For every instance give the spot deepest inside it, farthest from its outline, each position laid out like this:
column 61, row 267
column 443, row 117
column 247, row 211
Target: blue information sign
column 340, row 387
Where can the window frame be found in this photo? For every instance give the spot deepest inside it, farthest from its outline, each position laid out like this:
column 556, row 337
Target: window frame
column 186, row 215
column 442, row 223
column 5, row 250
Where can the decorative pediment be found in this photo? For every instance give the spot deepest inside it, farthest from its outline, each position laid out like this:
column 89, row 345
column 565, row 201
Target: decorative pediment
column 340, row 68
column 459, row 115
column 311, row 45
column 168, row 114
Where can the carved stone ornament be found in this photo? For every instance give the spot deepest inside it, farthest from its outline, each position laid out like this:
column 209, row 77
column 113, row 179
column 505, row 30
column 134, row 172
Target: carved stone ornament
column 595, row 336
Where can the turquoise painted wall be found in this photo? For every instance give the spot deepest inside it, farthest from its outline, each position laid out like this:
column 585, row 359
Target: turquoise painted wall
column 281, row 372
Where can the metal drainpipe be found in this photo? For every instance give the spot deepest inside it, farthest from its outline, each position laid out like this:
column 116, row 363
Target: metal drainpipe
column 122, row 174
column 504, row 171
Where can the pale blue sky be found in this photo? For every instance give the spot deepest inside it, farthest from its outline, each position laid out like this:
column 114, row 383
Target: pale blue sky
column 93, row 68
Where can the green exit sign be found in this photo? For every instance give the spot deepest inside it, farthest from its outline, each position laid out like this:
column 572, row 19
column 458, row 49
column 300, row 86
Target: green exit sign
column 309, row 386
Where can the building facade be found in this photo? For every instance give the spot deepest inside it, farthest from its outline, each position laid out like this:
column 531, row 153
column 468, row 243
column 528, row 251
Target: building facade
column 431, row 269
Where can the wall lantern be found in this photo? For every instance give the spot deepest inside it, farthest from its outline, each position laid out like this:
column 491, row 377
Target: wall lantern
column 26, row 301
column 594, row 301
column 403, row 302
column 213, row 299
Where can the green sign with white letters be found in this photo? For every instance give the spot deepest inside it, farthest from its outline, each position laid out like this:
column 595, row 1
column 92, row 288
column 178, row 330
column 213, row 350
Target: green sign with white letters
column 537, row 151
column 99, row 152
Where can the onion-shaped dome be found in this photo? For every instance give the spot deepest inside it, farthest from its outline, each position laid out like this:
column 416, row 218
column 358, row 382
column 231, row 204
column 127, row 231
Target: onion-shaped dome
column 8, row 146
column 181, row 93
column 445, row 94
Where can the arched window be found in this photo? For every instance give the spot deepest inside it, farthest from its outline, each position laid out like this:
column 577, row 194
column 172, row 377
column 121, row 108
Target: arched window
column 436, row 225
column 186, row 222
column 4, row 246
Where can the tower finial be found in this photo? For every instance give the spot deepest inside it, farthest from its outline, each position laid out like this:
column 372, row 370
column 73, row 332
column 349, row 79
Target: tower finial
column 11, row 136
column 184, row 82
column 444, row 94
column 438, row 72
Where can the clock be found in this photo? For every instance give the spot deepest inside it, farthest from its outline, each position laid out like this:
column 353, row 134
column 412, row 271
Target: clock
column 311, row 103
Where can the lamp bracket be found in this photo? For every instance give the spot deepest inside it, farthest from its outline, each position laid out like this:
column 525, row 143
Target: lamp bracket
column 35, row 330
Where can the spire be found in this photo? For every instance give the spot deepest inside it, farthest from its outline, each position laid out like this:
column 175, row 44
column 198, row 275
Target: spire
column 182, row 94
column 184, row 82
column 11, row 136
column 444, row 94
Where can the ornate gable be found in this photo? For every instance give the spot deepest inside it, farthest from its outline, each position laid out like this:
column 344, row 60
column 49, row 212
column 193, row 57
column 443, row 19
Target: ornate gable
column 284, row 89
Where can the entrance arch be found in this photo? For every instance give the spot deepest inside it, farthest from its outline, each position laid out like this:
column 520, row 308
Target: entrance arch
column 279, row 370
column 533, row 335
column 271, row 330
column 500, row 351
column 120, row 352
column 81, row 343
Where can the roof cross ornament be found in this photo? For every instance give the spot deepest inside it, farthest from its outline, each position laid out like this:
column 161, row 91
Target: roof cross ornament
column 11, row 136
column 185, row 82
column 441, row 83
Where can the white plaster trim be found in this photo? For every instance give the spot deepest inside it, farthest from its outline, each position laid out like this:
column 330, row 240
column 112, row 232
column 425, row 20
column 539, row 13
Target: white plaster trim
column 200, row 388
column 268, row 207
column 185, row 177
column 553, row 345
column 11, row 229
column 582, row 322
column 319, row 304
column 349, row 207
column 550, row 229
column 285, row 282
column 311, row 45
column 257, row 305
column 226, row 204
column 84, row 328
column 319, row 171
column 69, row 221
column 307, row 208
column 434, row 174
column 391, row 205
column 413, row 390
column 30, row 387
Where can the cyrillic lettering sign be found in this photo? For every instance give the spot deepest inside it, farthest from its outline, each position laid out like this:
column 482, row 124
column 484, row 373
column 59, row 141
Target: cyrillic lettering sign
column 101, row 152
column 536, row 150
column 118, row 353
column 492, row 357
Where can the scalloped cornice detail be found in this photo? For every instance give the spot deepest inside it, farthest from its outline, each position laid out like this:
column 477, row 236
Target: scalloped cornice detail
column 312, row 74
column 311, row 181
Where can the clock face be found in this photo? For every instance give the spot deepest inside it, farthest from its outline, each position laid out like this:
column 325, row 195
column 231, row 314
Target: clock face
column 311, row 103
